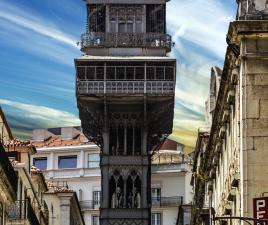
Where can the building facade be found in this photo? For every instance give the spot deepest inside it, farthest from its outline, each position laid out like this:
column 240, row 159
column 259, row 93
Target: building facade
column 69, row 161
column 171, row 172
column 8, row 185
column 125, row 95
column 30, row 208
column 9, row 179
column 171, row 192
column 235, row 157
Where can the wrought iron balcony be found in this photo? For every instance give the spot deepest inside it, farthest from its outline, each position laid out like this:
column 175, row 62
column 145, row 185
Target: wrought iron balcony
column 158, row 202
column 126, row 87
column 89, row 205
column 8, row 169
column 126, row 40
column 22, row 210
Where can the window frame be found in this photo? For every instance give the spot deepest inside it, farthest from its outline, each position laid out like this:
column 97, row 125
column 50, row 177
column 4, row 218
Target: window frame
column 160, row 218
column 93, row 161
column 42, row 159
column 96, row 202
column 66, row 157
column 95, row 217
column 158, row 197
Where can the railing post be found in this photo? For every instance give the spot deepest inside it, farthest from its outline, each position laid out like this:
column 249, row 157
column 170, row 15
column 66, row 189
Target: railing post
column 105, row 69
column 145, row 77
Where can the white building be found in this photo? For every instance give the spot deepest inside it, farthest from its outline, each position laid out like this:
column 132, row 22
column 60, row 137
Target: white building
column 68, row 159
column 171, row 175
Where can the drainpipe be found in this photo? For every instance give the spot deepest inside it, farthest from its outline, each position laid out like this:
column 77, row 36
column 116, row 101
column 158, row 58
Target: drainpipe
column 241, row 138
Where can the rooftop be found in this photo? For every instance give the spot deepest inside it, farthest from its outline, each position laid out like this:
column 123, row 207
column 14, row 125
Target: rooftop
column 55, row 137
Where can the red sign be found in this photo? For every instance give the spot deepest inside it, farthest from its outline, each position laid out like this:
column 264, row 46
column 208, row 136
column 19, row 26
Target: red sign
column 260, row 209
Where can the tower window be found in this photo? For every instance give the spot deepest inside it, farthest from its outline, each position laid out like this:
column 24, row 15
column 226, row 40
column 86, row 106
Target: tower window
column 125, row 19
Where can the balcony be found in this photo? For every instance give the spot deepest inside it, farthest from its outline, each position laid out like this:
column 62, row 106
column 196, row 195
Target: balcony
column 163, row 202
column 86, row 87
column 89, row 205
column 22, row 210
column 8, row 169
column 126, row 40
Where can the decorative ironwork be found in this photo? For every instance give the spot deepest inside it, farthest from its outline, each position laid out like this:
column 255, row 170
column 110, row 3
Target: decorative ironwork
column 126, row 87
column 126, row 40
column 22, row 210
column 167, row 201
column 125, row 222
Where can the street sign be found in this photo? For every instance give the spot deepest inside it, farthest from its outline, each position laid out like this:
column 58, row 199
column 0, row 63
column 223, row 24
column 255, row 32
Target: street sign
column 260, row 209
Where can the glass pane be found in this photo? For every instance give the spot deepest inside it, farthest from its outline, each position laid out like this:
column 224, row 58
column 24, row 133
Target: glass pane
column 150, row 73
column 112, row 27
column 94, row 157
column 120, row 73
column 160, row 73
column 138, row 28
column 110, row 73
column 93, row 160
column 130, row 73
column 81, row 72
column 121, row 28
column 90, row 72
column 129, row 27
column 100, row 73
column 40, row 163
column 139, row 73
column 67, row 162
column 169, row 73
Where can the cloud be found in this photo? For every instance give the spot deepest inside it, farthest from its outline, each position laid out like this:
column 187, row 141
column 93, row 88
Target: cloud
column 34, row 23
column 25, row 117
column 201, row 22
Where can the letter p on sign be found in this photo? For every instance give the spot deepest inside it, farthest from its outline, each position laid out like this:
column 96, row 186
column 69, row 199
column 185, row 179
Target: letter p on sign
column 260, row 209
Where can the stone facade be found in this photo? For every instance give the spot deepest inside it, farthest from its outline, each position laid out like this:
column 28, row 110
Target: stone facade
column 234, row 162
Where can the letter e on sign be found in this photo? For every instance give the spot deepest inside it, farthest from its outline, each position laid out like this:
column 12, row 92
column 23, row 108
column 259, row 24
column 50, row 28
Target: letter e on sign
column 260, row 209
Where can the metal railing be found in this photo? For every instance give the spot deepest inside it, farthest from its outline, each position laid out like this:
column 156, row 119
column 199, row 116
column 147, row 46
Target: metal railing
column 156, row 202
column 8, row 169
column 126, row 40
column 126, row 87
column 167, row 201
column 89, row 204
column 22, row 210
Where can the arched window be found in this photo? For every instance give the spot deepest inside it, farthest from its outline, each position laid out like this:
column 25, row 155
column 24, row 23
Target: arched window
column 1, row 214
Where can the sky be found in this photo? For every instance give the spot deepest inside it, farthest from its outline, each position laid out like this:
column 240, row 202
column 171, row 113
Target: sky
column 38, row 46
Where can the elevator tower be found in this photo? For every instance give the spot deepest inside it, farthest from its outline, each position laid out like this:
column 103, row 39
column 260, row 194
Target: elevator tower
column 125, row 85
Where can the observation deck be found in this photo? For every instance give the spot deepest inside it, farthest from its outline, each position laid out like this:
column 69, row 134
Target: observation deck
column 125, row 40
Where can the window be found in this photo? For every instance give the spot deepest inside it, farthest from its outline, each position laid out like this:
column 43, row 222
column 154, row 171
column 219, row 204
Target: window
column 96, row 199
column 156, row 194
column 1, row 214
column 156, row 218
column 80, row 195
column 126, row 19
column 95, row 220
column 40, row 163
column 93, row 160
column 69, row 161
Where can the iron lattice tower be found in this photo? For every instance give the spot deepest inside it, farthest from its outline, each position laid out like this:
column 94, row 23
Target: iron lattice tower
column 125, row 85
